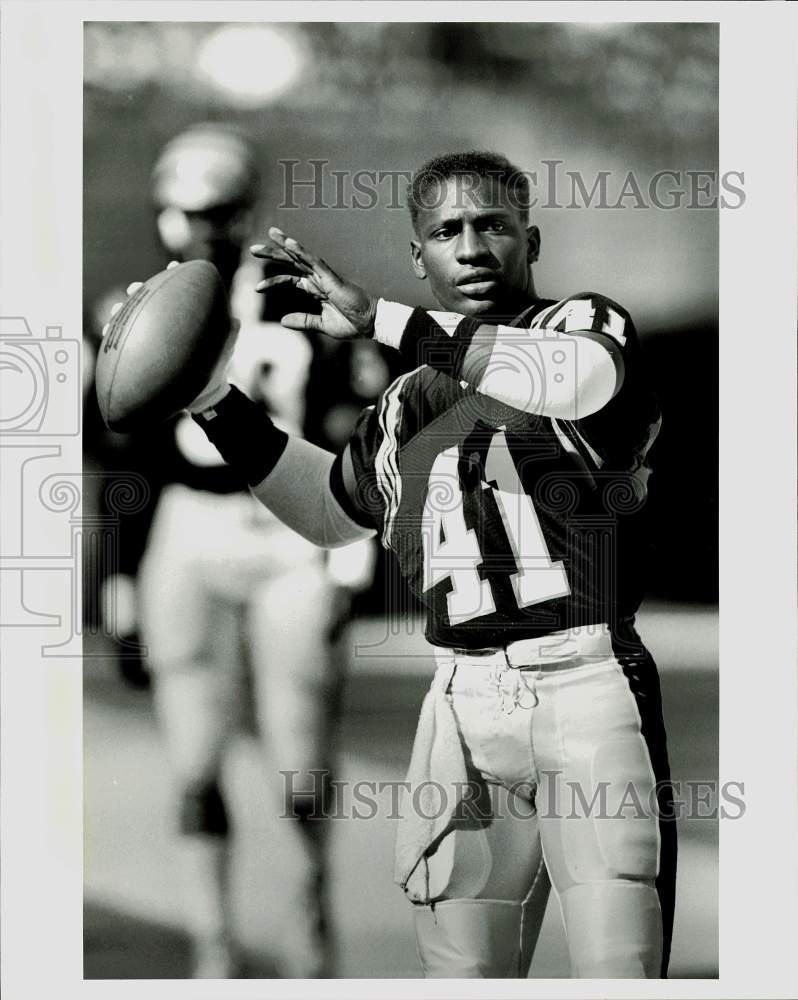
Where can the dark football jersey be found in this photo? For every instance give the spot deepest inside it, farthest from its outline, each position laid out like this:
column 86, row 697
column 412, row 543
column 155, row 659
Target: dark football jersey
column 511, row 525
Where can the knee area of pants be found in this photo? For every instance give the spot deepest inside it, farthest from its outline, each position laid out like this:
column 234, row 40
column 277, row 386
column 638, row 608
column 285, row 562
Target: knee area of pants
column 202, row 811
column 618, row 884
column 614, row 929
column 469, row 938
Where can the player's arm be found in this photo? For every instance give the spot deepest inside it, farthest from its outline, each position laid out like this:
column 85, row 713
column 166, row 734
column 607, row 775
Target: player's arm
column 542, row 370
column 567, row 375
column 290, row 476
column 297, row 481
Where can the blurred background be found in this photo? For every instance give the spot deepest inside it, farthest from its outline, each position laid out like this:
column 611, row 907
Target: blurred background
column 613, row 98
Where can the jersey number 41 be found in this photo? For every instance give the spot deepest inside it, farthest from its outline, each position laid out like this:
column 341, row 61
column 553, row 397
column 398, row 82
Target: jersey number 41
column 451, row 549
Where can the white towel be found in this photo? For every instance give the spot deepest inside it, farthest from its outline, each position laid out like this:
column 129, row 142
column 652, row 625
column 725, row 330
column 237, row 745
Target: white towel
column 437, row 757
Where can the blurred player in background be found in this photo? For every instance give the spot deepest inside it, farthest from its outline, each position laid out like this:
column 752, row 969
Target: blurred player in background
column 222, row 581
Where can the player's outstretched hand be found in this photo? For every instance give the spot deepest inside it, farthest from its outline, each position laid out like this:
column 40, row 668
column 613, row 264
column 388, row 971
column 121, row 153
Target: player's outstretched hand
column 346, row 310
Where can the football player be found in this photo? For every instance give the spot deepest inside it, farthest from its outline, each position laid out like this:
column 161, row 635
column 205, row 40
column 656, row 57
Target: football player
column 506, row 469
column 222, row 576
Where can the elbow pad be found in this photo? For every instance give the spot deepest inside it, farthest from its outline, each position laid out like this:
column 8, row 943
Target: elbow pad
column 566, row 377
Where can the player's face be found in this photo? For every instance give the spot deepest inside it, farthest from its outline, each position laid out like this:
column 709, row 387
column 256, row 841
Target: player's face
column 474, row 247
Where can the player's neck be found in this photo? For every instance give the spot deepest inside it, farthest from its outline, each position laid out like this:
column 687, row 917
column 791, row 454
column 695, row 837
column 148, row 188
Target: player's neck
column 507, row 310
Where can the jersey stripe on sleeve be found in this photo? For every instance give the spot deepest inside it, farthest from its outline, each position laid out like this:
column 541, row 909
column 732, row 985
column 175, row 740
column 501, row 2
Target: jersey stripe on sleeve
column 386, row 464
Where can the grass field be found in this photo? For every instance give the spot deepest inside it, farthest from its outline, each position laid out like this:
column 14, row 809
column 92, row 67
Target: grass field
column 132, row 913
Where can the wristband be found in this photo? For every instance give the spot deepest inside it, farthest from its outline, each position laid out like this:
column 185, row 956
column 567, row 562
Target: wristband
column 209, row 398
column 390, row 321
column 244, row 435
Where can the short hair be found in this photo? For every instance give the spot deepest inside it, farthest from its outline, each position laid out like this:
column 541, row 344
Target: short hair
column 477, row 163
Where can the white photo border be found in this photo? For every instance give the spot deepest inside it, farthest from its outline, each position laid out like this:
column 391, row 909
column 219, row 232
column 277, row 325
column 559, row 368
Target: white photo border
column 40, row 700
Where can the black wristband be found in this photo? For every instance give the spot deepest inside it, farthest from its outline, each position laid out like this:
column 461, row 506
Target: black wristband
column 244, row 435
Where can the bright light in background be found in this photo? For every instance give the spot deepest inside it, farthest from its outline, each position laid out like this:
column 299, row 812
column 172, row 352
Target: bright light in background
column 250, row 64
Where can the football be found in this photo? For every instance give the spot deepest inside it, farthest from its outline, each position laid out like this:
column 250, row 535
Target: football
column 162, row 346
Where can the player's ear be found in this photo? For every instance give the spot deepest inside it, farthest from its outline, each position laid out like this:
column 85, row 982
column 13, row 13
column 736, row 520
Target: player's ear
column 418, row 263
column 532, row 244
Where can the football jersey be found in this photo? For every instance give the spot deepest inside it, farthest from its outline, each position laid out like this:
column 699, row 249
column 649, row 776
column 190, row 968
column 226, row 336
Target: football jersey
column 506, row 524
